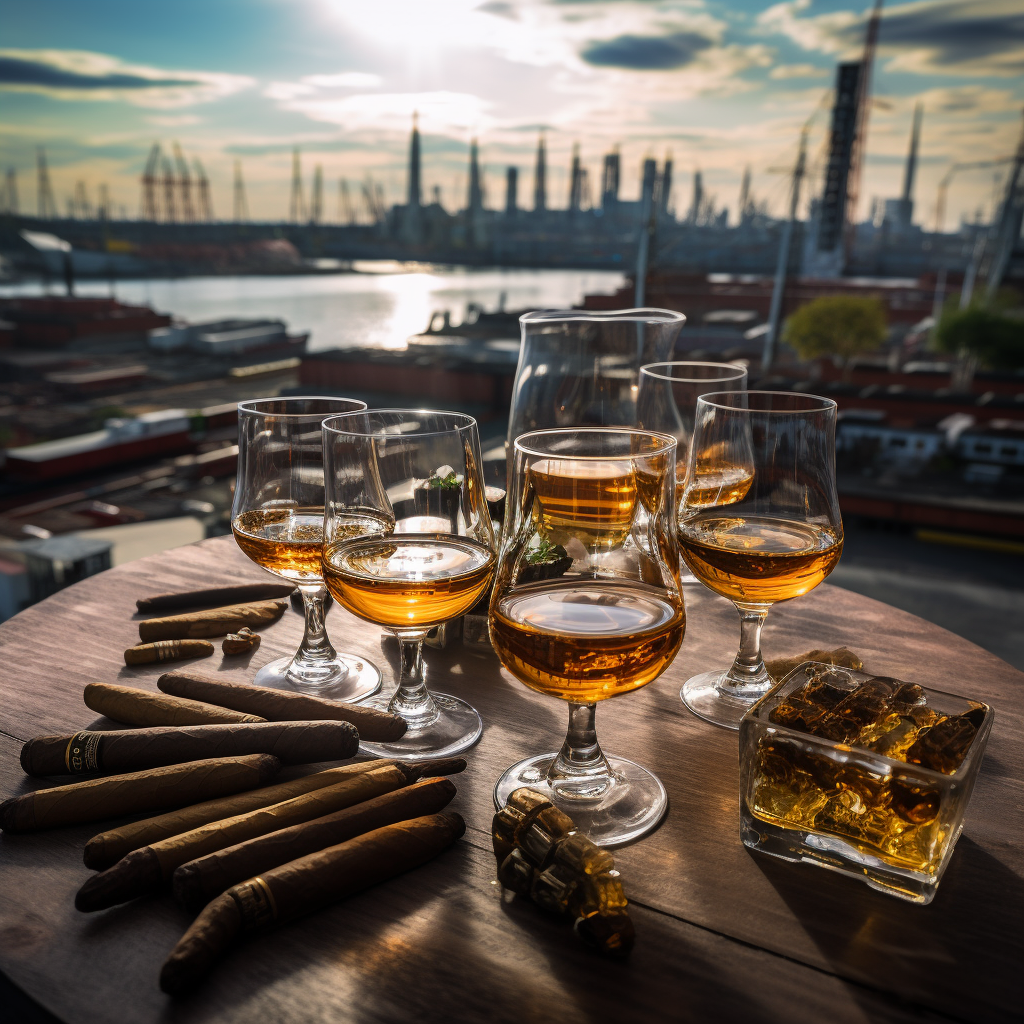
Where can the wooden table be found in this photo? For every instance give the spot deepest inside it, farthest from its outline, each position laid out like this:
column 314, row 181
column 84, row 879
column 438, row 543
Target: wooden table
column 722, row 934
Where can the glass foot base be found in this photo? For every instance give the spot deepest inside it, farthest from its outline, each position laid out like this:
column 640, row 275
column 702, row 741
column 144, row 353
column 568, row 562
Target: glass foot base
column 625, row 809
column 347, row 678
column 701, row 694
column 457, row 728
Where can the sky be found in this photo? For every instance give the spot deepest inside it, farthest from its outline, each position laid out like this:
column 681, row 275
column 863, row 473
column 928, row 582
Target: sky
column 720, row 85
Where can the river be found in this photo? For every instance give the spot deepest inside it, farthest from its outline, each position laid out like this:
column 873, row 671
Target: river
column 379, row 304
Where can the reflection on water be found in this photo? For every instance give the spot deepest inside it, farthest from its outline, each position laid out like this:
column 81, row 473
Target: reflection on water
column 381, row 305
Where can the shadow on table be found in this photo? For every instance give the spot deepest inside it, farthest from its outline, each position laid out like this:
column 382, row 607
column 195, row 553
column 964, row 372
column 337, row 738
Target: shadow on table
column 973, row 930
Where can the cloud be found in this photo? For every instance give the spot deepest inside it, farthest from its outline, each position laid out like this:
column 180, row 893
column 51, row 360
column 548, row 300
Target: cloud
column 647, row 53
column 173, row 120
column 500, row 9
column 983, row 38
column 786, row 71
column 83, row 75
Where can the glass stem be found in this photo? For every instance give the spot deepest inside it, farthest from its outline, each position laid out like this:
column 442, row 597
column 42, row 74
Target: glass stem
column 580, row 769
column 412, row 699
column 748, row 679
column 316, row 650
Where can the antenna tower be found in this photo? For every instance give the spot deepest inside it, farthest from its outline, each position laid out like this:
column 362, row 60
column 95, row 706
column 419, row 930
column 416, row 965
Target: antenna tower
column 46, row 207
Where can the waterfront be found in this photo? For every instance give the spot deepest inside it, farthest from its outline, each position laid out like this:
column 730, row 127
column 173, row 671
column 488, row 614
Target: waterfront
column 379, row 305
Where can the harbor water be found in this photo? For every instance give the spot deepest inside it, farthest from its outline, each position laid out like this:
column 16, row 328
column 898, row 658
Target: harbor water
column 379, row 304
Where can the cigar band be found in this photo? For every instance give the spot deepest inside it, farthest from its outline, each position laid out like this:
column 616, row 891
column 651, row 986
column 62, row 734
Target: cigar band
column 255, row 903
column 83, row 753
column 167, row 650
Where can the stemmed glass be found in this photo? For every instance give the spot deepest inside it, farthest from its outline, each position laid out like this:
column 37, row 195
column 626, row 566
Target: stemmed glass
column 603, row 619
column 667, row 402
column 408, row 545
column 277, row 519
column 759, row 523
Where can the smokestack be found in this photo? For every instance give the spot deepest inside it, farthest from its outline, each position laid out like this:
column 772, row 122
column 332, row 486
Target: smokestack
column 511, row 192
column 911, row 169
column 540, row 189
column 476, row 200
column 665, row 186
column 414, row 163
column 575, row 181
column 610, row 179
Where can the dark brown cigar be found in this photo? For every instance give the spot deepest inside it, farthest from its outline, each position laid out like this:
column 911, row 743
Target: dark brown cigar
column 141, row 707
column 303, row 886
column 174, row 786
column 167, row 650
column 109, row 847
column 216, row 596
column 147, row 868
column 213, row 622
column 281, row 706
column 199, row 881
column 131, row 750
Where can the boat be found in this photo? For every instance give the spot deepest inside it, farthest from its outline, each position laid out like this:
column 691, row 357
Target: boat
column 229, row 338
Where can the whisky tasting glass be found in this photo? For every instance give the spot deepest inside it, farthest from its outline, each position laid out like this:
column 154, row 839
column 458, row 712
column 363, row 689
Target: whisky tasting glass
column 277, row 519
column 667, row 403
column 408, row 545
column 759, row 523
column 581, row 368
column 587, row 607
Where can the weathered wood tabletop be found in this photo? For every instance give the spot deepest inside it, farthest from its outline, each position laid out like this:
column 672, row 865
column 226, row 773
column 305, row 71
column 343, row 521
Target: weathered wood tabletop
column 722, row 933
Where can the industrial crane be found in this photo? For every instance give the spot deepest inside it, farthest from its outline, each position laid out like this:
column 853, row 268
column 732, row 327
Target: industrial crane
column 149, row 184
column 184, row 185
column 940, row 201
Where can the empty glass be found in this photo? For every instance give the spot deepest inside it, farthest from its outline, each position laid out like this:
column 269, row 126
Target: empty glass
column 759, row 523
column 587, row 606
column 278, row 520
column 408, row 545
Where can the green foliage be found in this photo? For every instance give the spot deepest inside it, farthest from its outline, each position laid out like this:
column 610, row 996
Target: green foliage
column 837, row 325
column 995, row 339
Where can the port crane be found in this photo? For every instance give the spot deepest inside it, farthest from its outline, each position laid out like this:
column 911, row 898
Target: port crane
column 184, row 185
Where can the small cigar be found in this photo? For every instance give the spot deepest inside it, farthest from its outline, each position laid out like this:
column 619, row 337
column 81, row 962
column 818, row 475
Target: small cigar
column 198, row 881
column 109, row 847
column 141, row 707
column 214, row 597
column 280, row 705
column 212, row 622
column 779, row 668
column 147, row 868
column 303, row 886
column 131, row 750
column 167, row 650
column 245, row 641
column 155, row 789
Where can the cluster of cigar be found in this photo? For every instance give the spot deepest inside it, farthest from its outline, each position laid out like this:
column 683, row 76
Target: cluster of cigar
column 542, row 857
column 242, row 851
column 234, row 613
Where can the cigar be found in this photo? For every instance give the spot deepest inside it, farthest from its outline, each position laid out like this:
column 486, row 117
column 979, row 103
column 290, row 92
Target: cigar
column 148, row 868
column 779, row 668
column 303, row 886
column 198, row 881
column 214, row 597
column 213, row 622
column 282, row 706
column 155, row 789
column 109, row 847
column 130, row 750
column 167, row 650
column 141, row 707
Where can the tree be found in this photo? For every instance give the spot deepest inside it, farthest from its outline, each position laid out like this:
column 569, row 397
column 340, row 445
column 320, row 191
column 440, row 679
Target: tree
column 837, row 325
column 992, row 338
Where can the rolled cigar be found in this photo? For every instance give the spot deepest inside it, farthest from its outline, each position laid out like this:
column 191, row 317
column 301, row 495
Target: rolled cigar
column 141, row 707
column 109, row 847
column 779, row 668
column 303, row 886
column 198, row 881
column 174, row 786
column 130, row 750
column 215, row 596
column 147, row 868
column 167, row 650
column 212, row 622
column 282, row 706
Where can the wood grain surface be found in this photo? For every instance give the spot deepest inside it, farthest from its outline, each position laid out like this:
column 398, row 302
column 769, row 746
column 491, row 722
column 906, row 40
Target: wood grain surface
column 722, row 933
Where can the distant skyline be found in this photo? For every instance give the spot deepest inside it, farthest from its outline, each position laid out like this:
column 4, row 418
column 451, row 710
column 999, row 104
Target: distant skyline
column 720, row 85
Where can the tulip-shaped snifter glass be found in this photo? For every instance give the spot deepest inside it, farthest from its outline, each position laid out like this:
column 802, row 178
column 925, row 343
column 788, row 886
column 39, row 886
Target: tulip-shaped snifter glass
column 277, row 519
column 587, row 607
column 408, row 545
column 667, row 403
column 759, row 523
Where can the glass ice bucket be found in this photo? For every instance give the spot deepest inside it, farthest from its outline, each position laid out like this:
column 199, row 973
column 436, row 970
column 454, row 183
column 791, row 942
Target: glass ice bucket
column 861, row 774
